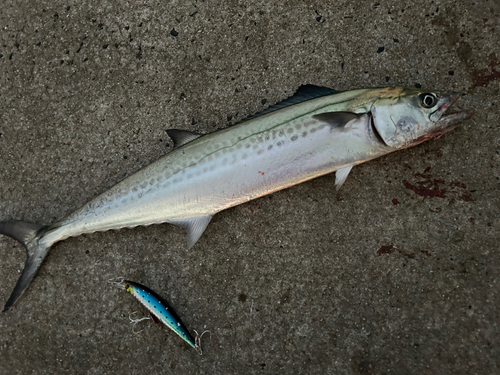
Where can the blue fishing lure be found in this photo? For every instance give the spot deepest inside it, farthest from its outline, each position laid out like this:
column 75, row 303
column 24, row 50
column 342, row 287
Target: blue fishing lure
column 159, row 310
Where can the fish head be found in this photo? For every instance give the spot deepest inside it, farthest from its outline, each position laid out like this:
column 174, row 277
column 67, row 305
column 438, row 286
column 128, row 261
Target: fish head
column 404, row 117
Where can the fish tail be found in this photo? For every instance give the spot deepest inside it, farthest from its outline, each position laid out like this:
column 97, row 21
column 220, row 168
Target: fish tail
column 29, row 235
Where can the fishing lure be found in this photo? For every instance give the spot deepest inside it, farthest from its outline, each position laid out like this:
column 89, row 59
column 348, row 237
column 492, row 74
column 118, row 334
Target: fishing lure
column 159, row 310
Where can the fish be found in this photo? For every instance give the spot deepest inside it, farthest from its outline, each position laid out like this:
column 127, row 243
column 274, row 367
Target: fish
column 159, row 310
column 314, row 132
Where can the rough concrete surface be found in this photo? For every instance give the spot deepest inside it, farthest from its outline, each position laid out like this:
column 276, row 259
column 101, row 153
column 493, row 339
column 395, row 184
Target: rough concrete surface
column 395, row 274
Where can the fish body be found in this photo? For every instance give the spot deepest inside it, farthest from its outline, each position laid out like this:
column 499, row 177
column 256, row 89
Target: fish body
column 230, row 167
column 315, row 132
column 158, row 308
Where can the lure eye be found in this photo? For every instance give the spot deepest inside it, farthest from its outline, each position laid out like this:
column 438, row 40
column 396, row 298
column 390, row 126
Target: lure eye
column 428, row 100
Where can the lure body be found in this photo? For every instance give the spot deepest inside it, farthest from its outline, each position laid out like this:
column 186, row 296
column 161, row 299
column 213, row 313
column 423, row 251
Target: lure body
column 159, row 309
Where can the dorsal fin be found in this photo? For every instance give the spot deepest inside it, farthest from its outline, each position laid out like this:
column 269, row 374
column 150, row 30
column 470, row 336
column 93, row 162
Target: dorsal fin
column 181, row 137
column 303, row 93
column 312, row 92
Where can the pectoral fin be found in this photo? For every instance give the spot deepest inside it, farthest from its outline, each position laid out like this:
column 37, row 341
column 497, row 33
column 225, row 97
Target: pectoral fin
column 194, row 226
column 336, row 119
column 341, row 175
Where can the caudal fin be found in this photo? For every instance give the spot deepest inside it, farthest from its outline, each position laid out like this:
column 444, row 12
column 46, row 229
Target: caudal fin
column 28, row 234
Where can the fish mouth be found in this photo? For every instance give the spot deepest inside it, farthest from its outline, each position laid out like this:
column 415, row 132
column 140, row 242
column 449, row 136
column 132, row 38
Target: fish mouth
column 451, row 120
column 447, row 122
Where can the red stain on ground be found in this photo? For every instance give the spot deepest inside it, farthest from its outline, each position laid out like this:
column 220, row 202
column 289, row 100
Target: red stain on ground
column 425, row 174
column 458, row 184
column 386, row 249
column 429, row 187
column 425, row 252
column 389, row 249
column 467, row 197
column 262, row 173
column 395, row 201
column 482, row 77
column 427, row 192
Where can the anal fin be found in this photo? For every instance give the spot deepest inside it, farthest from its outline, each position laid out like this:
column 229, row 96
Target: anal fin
column 341, row 176
column 194, row 226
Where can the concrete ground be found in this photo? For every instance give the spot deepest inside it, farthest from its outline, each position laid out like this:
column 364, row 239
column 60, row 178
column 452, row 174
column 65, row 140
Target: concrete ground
column 395, row 274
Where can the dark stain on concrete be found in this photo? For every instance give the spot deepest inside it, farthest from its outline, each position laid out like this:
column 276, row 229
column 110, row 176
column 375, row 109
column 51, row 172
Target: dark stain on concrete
column 450, row 29
column 483, row 77
column 386, row 249
column 389, row 249
column 467, row 197
column 458, row 184
column 465, row 52
column 242, row 297
column 429, row 187
column 427, row 192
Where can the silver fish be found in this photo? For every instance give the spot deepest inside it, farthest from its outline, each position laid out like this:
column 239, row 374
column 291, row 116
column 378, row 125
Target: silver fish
column 314, row 132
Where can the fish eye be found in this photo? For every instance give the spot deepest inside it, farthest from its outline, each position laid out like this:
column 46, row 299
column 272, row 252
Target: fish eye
column 428, row 100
